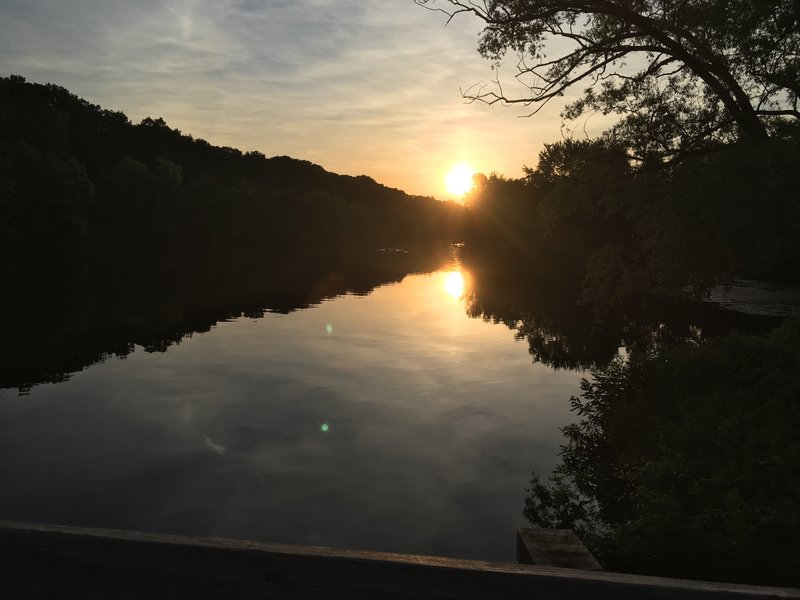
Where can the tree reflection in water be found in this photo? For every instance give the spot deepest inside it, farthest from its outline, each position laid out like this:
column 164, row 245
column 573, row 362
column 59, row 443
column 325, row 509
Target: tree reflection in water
column 684, row 457
column 564, row 334
column 53, row 327
column 683, row 435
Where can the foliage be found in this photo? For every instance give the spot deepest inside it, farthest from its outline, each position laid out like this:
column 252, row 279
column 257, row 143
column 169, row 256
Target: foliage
column 683, row 462
column 696, row 183
column 735, row 212
column 113, row 233
column 81, row 183
column 682, row 76
column 626, row 234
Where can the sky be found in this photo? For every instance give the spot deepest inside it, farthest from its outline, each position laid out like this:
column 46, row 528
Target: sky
column 366, row 87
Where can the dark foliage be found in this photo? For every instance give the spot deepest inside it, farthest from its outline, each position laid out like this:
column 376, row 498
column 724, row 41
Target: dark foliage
column 684, row 462
column 586, row 215
column 114, row 234
column 82, row 181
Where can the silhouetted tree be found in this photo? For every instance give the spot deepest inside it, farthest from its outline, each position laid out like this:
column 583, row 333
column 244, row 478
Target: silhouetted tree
column 683, row 75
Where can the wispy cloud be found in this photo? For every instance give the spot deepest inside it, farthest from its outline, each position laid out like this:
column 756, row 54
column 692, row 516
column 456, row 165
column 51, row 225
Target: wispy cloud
column 358, row 86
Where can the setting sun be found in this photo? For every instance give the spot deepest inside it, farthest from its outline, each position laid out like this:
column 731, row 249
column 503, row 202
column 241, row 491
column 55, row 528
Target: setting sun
column 459, row 179
column 454, row 284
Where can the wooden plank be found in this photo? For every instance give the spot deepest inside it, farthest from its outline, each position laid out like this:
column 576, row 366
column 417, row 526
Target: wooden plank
column 49, row 561
column 554, row 548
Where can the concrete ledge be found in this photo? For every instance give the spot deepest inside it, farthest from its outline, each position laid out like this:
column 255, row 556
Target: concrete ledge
column 50, row 561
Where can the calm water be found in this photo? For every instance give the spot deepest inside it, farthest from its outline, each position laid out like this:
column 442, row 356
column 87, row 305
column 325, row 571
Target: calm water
column 389, row 421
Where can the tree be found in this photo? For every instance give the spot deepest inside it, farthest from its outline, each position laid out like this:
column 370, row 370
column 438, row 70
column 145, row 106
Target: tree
column 682, row 74
column 683, row 462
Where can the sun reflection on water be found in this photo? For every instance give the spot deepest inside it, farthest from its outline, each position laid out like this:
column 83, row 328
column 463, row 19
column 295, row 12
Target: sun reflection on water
column 454, row 284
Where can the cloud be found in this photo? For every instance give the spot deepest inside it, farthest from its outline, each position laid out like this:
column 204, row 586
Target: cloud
column 359, row 87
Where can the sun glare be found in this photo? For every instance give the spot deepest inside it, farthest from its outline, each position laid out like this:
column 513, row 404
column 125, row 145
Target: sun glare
column 459, row 179
column 454, row 284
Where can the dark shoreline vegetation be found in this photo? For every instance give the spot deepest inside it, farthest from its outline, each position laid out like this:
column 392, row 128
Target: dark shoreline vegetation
column 683, row 461
column 684, row 458
column 116, row 234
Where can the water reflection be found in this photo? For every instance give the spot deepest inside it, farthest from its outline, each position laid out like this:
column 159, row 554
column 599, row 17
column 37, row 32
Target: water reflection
column 564, row 334
column 346, row 425
column 51, row 329
column 684, row 463
column 272, row 429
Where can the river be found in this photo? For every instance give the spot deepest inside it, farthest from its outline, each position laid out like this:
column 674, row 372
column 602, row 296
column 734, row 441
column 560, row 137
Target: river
column 403, row 416
column 388, row 421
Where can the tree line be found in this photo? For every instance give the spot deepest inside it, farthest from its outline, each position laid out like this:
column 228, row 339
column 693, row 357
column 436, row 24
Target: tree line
column 83, row 186
column 697, row 180
column 584, row 214
column 114, row 234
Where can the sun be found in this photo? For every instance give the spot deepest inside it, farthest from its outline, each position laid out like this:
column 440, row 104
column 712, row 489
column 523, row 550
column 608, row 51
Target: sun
column 459, row 179
column 454, row 284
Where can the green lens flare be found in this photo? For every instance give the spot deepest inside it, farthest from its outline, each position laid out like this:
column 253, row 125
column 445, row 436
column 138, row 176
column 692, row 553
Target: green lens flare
column 329, row 328
column 324, row 427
